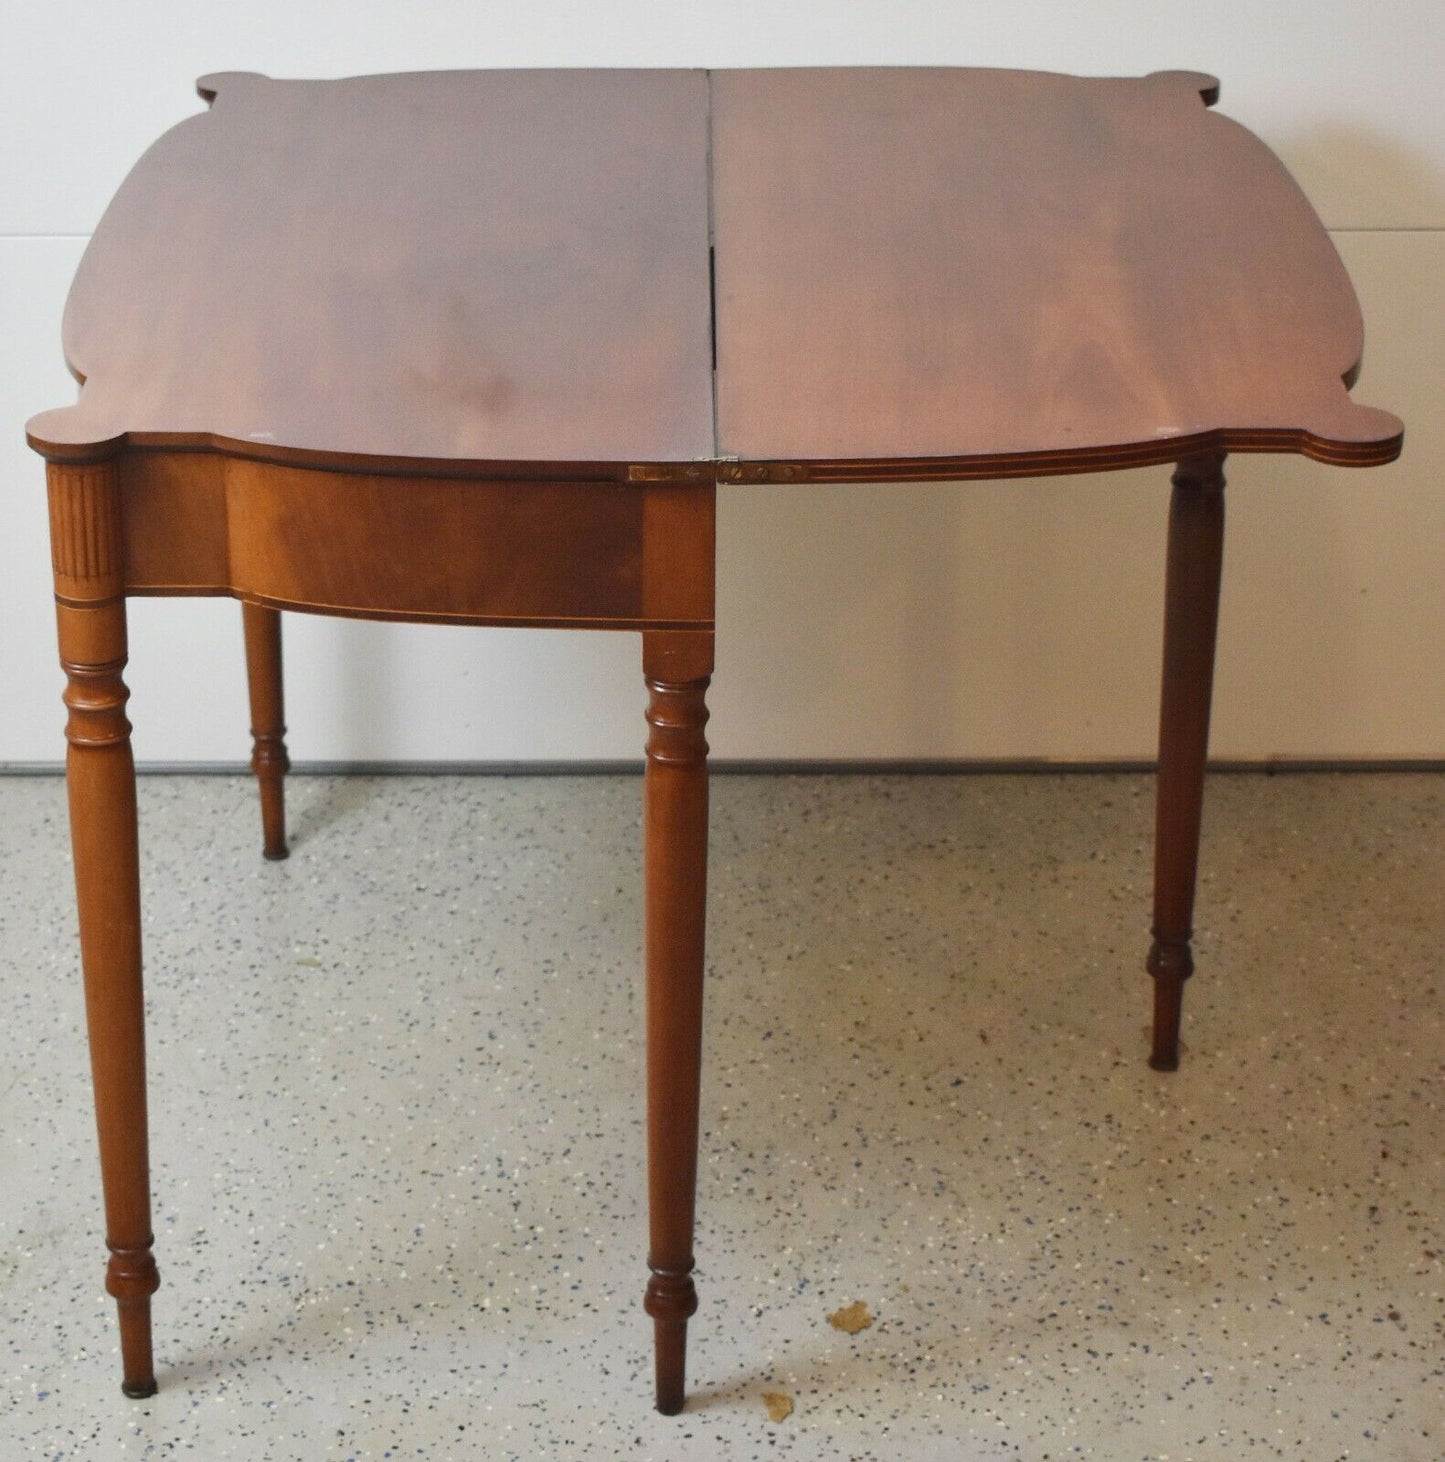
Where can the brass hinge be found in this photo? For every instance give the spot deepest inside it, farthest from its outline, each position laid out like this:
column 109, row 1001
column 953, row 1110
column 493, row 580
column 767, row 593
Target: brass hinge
column 717, row 471
column 762, row 472
column 669, row 472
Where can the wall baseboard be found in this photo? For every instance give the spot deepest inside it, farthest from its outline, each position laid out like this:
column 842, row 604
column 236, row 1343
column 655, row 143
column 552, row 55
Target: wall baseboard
column 783, row 767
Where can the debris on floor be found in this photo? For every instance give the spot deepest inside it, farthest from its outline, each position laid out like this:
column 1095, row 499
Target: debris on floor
column 779, row 1404
column 851, row 1318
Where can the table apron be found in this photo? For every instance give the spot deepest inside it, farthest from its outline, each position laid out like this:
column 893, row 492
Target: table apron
column 584, row 554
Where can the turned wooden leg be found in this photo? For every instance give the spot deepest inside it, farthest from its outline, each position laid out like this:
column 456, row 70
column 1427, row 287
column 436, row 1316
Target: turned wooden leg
column 1191, row 615
column 268, row 732
column 677, row 667
column 100, row 777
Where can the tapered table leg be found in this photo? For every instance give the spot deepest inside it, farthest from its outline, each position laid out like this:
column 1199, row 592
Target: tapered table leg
column 268, row 731
column 677, row 667
column 1191, row 617
column 100, row 776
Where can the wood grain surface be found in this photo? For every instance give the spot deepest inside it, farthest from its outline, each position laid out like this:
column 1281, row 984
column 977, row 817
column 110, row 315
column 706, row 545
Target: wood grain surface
column 920, row 273
column 487, row 265
column 994, row 265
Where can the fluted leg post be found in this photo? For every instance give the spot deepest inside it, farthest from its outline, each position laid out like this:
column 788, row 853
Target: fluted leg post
column 268, row 731
column 100, row 777
column 1191, row 616
column 677, row 667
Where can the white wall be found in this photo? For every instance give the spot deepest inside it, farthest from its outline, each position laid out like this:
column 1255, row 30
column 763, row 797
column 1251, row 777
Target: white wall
column 1016, row 619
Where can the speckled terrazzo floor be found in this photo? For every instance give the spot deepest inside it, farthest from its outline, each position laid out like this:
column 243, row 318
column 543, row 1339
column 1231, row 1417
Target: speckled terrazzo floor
column 397, row 1132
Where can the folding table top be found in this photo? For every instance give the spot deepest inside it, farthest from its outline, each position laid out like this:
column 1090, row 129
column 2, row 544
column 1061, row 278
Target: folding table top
column 798, row 274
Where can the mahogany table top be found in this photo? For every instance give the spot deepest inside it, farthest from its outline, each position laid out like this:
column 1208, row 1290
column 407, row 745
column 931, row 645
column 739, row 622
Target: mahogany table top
column 918, row 273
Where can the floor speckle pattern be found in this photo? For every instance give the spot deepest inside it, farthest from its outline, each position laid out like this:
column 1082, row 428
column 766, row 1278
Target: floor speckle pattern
column 397, row 1127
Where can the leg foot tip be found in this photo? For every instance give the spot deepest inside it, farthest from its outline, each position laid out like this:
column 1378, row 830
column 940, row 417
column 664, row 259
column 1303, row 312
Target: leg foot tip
column 276, row 855
column 669, row 1405
column 1164, row 1063
column 139, row 1390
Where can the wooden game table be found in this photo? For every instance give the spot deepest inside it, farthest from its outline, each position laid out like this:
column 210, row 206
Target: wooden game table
column 480, row 347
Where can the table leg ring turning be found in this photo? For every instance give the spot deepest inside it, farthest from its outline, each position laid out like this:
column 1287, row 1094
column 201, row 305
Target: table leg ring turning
column 671, row 1300
column 1171, row 962
column 131, row 1276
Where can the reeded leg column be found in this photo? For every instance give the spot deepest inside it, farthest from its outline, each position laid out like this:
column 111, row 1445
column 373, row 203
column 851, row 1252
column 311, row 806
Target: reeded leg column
column 100, row 776
column 677, row 667
column 1191, row 616
column 268, row 731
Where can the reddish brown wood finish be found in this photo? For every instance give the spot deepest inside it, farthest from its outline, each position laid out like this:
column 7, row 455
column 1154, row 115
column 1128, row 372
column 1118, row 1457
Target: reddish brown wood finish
column 677, row 668
column 492, row 265
column 1191, row 616
column 86, row 553
column 921, row 273
column 436, row 347
column 269, row 761
column 581, row 555
column 1000, row 270
column 599, row 555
